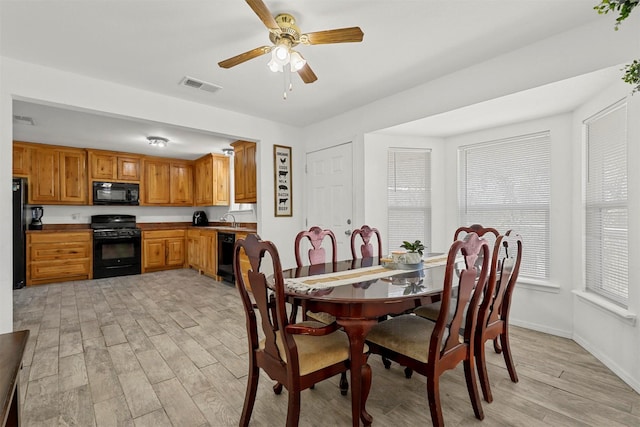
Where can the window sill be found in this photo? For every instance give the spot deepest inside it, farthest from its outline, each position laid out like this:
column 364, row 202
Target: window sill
column 537, row 285
column 607, row 307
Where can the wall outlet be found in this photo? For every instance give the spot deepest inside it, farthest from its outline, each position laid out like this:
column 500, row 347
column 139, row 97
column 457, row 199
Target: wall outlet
column 75, row 216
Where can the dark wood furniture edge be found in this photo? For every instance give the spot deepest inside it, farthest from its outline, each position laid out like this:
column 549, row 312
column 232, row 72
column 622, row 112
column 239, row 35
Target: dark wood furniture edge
column 12, row 347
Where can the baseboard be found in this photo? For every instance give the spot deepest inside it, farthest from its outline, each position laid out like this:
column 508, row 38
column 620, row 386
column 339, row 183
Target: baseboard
column 615, row 368
column 541, row 328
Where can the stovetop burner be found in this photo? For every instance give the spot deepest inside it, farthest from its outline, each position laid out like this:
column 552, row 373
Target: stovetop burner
column 111, row 222
column 110, row 233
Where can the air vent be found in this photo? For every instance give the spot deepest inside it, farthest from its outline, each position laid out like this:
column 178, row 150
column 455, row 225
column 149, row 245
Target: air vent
column 23, row 120
column 199, row 84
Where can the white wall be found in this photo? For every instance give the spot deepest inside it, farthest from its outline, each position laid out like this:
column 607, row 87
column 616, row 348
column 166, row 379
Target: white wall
column 550, row 307
column 375, row 184
column 61, row 214
column 612, row 335
column 543, row 306
column 25, row 81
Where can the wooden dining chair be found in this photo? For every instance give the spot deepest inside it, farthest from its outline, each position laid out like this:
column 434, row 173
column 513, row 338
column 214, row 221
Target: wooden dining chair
column 366, row 248
column 433, row 348
column 431, row 311
column 296, row 355
column 317, row 256
column 493, row 315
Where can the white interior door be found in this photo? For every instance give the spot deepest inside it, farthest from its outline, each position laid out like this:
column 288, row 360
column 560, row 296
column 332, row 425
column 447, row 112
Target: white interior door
column 330, row 193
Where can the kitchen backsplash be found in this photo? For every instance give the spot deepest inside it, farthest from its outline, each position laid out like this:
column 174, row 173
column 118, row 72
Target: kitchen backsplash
column 58, row 214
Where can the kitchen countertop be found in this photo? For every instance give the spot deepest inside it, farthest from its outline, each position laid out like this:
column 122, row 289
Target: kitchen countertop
column 149, row 226
column 242, row 228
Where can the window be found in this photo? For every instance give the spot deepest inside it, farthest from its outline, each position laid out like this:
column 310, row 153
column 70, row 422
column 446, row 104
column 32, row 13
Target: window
column 506, row 184
column 606, row 248
column 409, row 197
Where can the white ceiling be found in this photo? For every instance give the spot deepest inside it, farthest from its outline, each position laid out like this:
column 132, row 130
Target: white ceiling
column 152, row 45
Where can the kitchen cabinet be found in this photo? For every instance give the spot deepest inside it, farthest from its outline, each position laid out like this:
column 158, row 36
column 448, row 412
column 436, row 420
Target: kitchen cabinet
column 244, row 172
column 163, row 250
column 113, row 166
column 181, row 182
column 245, row 264
column 193, row 249
column 21, row 160
column 58, row 256
column 202, row 250
column 212, row 180
column 57, row 176
column 167, row 182
column 209, row 252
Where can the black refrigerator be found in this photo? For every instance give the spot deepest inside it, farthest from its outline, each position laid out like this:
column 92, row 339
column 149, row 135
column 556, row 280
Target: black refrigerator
column 19, row 228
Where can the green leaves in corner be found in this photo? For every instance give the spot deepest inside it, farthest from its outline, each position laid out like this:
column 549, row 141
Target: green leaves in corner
column 624, row 7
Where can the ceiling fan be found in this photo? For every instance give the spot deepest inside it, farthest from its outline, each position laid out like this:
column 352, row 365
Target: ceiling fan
column 285, row 35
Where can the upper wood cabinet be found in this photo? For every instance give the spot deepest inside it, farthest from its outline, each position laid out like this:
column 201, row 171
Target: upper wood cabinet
column 112, row 166
column 212, row 180
column 167, row 182
column 244, row 172
column 73, row 177
column 21, row 160
column 57, row 175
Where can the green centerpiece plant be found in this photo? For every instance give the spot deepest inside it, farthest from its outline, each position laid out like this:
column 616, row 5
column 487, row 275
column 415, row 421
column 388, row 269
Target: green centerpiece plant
column 414, row 251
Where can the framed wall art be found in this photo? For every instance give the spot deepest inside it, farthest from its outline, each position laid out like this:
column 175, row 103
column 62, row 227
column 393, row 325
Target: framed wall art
column 282, row 180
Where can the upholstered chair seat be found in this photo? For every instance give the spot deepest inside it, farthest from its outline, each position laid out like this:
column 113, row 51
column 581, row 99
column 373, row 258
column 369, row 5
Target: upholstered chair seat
column 317, row 352
column 406, row 334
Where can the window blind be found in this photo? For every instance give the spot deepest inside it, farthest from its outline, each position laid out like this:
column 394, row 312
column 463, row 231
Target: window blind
column 506, row 184
column 409, row 197
column 606, row 222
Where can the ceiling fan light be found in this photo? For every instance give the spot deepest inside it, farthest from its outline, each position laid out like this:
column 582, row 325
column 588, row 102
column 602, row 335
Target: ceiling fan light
column 297, row 61
column 274, row 66
column 158, row 141
column 281, row 52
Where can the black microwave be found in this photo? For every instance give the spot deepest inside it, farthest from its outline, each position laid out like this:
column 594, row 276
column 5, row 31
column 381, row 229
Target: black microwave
column 116, row 193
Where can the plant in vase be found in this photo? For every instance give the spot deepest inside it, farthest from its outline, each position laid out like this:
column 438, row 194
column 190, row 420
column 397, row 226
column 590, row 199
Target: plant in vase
column 415, row 251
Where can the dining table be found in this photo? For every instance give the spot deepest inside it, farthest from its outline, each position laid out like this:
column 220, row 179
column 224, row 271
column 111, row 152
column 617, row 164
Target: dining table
column 359, row 293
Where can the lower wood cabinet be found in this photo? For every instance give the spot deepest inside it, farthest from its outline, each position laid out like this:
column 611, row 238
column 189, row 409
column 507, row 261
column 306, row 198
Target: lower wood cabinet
column 163, row 250
column 58, row 256
column 202, row 249
column 193, row 249
column 209, row 252
column 245, row 264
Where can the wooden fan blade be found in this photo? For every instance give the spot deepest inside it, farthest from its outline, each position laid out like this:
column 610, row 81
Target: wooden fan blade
column 340, row 35
column 243, row 57
column 306, row 74
column 264, row 14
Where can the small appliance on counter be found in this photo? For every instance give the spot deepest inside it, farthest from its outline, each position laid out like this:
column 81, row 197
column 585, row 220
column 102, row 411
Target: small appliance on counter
column 36, row 218
column 200, row 219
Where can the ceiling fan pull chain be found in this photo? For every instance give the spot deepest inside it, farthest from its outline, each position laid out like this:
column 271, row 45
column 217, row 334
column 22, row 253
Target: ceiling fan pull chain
column 287, row 82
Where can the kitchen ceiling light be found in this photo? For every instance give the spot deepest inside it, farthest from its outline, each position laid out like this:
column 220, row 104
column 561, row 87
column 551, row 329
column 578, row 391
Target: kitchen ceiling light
column 158, row 141
column 227, row 151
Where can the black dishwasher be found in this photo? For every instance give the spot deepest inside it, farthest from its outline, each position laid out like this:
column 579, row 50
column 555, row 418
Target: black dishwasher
column 225, row 256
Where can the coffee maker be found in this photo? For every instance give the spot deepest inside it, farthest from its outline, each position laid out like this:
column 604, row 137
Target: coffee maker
column 36, row 218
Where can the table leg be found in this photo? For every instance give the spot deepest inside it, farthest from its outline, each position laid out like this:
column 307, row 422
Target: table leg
column 356, row 330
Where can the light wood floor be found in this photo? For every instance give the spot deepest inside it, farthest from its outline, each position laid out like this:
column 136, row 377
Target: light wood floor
column 169, row 348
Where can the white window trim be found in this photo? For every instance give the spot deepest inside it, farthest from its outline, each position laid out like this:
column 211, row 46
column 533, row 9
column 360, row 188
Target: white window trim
column 607, row 306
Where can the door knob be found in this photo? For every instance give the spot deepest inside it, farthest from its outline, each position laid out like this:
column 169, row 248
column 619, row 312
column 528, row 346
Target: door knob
column 347, row 233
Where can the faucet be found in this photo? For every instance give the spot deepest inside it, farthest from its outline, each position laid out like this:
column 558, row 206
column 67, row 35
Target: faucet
column 234, row 224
